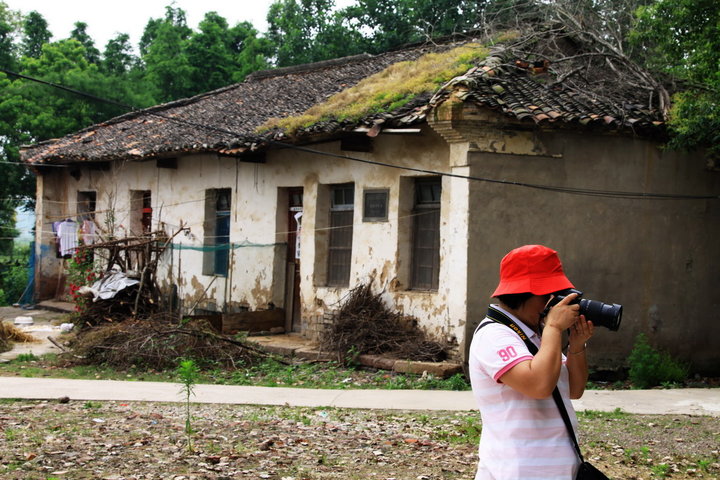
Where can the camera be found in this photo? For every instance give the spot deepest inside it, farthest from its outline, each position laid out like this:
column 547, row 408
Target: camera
column 599, row 313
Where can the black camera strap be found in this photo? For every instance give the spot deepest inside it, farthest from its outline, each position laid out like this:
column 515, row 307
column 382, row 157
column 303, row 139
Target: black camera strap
column 500, row 317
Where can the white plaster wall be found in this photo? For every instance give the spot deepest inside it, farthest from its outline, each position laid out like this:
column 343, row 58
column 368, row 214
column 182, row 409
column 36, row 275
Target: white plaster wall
column 380, row 249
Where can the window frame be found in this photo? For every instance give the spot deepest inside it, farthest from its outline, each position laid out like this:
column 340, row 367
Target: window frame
column 426, row 218
column 340, row 238
column 374, row 191
column 217, row 226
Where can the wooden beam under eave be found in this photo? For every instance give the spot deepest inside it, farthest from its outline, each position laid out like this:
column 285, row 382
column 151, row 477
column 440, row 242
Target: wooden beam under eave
column 248, row 157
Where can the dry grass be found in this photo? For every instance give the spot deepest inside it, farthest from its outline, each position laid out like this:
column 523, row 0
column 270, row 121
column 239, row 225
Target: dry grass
column 387, row 90
column 10, row 333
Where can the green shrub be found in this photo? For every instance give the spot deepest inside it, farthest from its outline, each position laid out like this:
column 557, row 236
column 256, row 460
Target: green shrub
column 650, row 367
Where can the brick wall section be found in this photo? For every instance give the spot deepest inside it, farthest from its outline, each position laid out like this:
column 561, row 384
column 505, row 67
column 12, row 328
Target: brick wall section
column 315, row 326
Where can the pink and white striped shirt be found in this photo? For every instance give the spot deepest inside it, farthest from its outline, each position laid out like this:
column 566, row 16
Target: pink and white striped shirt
column 522, row 438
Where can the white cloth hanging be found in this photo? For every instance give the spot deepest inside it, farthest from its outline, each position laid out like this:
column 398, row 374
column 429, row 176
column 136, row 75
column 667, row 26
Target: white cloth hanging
column 87, row 232
column 67, row 233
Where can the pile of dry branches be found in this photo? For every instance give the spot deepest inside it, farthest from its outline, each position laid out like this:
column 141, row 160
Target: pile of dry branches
column 364, row 325
column 157, row 342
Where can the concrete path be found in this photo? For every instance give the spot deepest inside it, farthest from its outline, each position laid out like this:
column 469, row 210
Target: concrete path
column 691, row 401
column 681, row 401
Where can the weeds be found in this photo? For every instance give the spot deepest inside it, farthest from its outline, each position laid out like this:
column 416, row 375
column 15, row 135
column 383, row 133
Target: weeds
column 26, row 357
column 650, row 367
column 661, row 470
column 465, row 431
column 387, row 90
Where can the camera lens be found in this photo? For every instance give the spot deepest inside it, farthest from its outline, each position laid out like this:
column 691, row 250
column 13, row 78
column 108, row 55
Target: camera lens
column 602, row 314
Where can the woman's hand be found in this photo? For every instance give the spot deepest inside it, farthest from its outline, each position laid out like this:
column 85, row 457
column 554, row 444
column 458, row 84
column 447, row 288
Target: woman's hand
column 580, row 332
column 563, row 315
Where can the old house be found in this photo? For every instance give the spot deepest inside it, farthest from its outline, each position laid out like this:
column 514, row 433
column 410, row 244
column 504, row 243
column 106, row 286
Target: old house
column 417, row 170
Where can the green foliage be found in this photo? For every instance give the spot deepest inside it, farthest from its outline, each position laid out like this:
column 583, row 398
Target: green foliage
column 304, row 31
column 167, row 66
column 79, row 33
column 13, row 273
column 188, row 374
column 616, row 414
column 464, row 431
column 392, row 23
column 650, row 367
column 35, row 34
column 661, row 470
column 680, row 38
column 26, row 357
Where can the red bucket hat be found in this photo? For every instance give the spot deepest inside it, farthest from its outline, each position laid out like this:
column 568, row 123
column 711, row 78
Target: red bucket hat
column 531, row 268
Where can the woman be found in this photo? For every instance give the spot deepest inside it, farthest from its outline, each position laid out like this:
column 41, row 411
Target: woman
column 523, row 435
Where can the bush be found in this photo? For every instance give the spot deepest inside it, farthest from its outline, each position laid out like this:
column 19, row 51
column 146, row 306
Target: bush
column 650, row 367
column 14, row 274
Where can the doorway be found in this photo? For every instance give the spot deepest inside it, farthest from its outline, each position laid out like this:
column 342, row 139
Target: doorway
column 292, row 287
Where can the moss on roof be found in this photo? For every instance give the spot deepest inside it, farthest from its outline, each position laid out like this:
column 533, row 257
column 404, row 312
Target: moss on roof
column 387, row 90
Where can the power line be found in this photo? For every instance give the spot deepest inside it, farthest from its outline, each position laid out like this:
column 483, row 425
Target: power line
column 550, row 188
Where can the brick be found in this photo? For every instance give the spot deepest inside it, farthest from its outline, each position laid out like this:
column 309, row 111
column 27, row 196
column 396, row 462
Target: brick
column 438, row 369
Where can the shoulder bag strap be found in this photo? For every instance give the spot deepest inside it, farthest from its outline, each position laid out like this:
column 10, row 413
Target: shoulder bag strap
column 500, row 317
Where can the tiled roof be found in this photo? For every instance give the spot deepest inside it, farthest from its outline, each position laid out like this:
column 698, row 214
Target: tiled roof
column 226, row 120
column 526, row 92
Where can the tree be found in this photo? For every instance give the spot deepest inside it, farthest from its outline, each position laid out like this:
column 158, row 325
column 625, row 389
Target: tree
column 210, row 54
column 8, row 58
column 35, row 35
column 117, row 59
column 80, row 34
column 253, row 52
column 305, row 31
column 393, row 23
column 166, row 62
column 680, row 39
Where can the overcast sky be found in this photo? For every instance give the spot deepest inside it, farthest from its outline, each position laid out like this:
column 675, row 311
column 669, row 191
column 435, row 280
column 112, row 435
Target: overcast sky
column 105, row 18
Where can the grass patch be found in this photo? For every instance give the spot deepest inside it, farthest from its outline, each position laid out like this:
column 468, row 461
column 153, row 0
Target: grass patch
column 617, row 414
column 461, row 431
column 269, row 373
column 387, row 90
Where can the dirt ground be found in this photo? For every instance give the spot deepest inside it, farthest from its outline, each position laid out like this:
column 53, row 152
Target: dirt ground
column 142, row 441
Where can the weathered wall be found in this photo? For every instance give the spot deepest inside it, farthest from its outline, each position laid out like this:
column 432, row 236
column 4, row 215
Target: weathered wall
column 51, row 207
column 381, row 250
column 658, row 258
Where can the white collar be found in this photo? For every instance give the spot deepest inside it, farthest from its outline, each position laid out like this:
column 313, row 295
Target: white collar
column 529, row 332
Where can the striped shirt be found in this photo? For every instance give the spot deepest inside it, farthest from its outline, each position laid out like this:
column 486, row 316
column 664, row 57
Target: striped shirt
column 522, row 438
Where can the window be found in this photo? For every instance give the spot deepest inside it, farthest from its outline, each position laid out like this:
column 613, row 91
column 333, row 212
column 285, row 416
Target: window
column 217, row 232
column 375, row 205
column 86, row 205
column 426, row 234
column 140, row 212
column 341, row 232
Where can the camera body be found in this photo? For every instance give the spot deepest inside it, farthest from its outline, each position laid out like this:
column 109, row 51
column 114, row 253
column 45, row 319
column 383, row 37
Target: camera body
column 599, row 313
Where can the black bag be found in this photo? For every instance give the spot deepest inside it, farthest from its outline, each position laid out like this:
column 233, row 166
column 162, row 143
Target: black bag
column 588, row 472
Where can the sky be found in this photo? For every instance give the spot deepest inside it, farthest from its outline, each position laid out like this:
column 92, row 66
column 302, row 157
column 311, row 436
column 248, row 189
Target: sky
column 105, row 19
